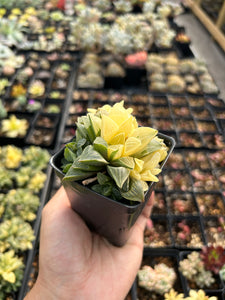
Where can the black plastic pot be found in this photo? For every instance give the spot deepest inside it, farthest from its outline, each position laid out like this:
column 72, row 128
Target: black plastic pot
column 113, row 82
column 107, row 217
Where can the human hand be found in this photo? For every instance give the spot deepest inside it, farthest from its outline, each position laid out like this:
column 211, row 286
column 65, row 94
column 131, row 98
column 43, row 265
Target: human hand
column 75, row 263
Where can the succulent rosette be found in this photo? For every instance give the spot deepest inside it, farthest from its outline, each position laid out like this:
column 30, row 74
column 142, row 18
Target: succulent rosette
column 113, row 154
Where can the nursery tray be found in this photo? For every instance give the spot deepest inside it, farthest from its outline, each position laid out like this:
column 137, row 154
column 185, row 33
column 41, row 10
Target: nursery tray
column 152, row 257
column 213, row 291
column 36, row 227
column 107, row 217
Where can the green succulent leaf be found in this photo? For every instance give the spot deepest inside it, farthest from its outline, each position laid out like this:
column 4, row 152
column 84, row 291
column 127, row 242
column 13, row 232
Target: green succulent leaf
column 119, row 174
column 92, row 157
column 78, row 165
column 135, row 192
column 127, row 162
column 105, row 189
column 116, row 195
column 153, row 146
column 103, row 179
column 69, row 155
column 81, row 143
column 100, row 145
column 76, row 174
column 126, row 185
column 65, row 167
column 86, row 121
column 95, row 124
column 81, row 132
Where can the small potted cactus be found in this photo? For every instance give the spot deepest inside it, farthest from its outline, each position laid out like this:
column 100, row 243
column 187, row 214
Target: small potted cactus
column 111, row 167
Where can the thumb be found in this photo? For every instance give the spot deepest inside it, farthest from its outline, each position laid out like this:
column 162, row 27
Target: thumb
column 139, row 227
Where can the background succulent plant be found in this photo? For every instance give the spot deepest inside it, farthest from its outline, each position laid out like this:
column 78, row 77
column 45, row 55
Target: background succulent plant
column 194, row 270
column 14, row 127
column 11, row 33
column 11, row 273
column 22, row 203
column 16, row 234
column 159, row 279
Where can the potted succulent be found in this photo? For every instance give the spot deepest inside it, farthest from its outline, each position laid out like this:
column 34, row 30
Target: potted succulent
column 14, row 127
column 135, row 67
column 111, row 160
column 114, row 74
column 201, row 269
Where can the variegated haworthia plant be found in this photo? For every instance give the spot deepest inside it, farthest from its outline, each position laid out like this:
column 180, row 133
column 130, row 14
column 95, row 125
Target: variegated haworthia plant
column 112, row 154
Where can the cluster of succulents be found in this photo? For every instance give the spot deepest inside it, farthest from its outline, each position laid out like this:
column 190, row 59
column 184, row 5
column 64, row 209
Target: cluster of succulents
column 200, row 267
column 30, row 174
column 14, row 127
column 168, row 73
column 193, row 295
column 156, row 234
column 11, row 273
column 21, row 4
column 11, row 33
column 18, row 208
column 159, row 279
column 90, row 73
column 9, row 62
column 125, row 36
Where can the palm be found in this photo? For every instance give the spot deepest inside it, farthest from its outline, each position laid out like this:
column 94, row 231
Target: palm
column 81, row 262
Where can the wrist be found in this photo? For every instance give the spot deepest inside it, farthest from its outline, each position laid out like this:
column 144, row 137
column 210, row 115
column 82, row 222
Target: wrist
column 40, row 292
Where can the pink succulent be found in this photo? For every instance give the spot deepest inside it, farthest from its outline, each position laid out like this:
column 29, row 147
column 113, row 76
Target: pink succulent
column 137, row 59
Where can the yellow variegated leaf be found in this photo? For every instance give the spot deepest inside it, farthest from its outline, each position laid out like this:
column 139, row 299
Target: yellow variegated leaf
column 148, row 176
column 138, row 165
column 118, row 139
column 134, row 123
column 109, row 128
column 92, row 110
column 156, row 171
column 96, row 123
column 144, row 185
column 132, row 145
column 126, row 126
column 145, row 134
column 127, row 162
column 135, row 174
column 118, row 116
column 163, row 154
column 10, row 277
column 151, row 161
column 130, row 110
column 105, row 109
column 115, row 151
